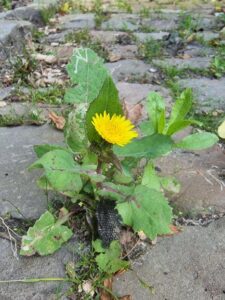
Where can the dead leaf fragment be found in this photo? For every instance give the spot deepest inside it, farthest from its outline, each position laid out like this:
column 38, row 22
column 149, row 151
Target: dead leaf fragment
column 127, row 297
column 133, row 112
column 142, row 236
column 49, row 59
column 59, row 121
column 104, row 294
column 2, row 104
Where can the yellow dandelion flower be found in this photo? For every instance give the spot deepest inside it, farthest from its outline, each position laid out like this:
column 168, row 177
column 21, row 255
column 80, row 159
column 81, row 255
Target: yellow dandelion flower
column 115, row 130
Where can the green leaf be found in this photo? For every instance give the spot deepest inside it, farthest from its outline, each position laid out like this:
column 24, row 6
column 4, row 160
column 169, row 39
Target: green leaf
column 97, row 245
column 179, row 125
column 45, row 237
column 156, row 111
column 170, row 184
column 198, row 141
column 146, row 210
column 150, row 146
column 109, row 261
column 150, row 178
column 61, row 170
column 181, row 107
column 115, row 191
column 75, row 135
column 147, row 127
column 40, row 150
column 107, row 100
column 88, row 73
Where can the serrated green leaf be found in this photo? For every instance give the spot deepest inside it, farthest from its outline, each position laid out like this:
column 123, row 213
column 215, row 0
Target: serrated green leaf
column 45, row 237
column 150, row 178
column 97, row 245
column 116, row 192
column 198, row 141
column 107, row 100
column 75, row 135
column 150, row 146
column 110, row 261
column 61, row 170
column 146, row 210
column 40, row 150
column 88, row 73
column 181, row 107
column 156, row 111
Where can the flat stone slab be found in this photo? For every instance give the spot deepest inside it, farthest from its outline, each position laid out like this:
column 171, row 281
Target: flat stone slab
column 146, row 36
column 33, row 267
column 12, row 37
column 208, row 93
column 118, row 52
column 17, row 185
column 77, row 21
column 189, row 265
column 202, row 63
column 131, row 70
column 201, row 175
column 122, row 22
column 6, row 92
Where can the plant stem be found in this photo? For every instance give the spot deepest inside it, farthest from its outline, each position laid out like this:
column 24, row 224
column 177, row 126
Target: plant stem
column 33, row 280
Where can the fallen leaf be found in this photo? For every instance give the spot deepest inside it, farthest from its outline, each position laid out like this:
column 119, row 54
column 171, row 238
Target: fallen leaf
column 127, row 297
column 104, row 294
column 114, row 57
column 142, row 236
column 49, row 59
column 125, row 237
column 2, row 104
column 59, row 121
column 185, row 56
column 133, row 112
column 221, row 130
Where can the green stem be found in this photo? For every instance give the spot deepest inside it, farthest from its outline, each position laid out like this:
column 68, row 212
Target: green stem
column 33, row 280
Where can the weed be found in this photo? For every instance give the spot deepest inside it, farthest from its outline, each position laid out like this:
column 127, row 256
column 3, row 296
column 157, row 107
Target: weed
column 144, row 12
column 100, row 16
column 174, row 87
column 124, row 5
column 48, row 13
column 10, row 120
column 52, row 95
column 36, row 34
column 150, row 49
column 83, row 38
column 23, row 67
column 6, row 4
column 146, row 28
column 187, row 25
column 218, row 66
column 210, row 121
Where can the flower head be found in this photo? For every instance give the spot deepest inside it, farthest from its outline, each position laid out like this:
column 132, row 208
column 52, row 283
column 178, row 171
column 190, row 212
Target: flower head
column 115, row 130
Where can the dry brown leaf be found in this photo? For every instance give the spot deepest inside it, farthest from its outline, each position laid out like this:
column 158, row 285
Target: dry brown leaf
column 185, row 56
column 133, row 112
column 49, row 59
column 125, row 237
column 174, row 230
column 142, row 235
column 104, row 294
column 114, row 57
column 127, row 297
column 59, row 121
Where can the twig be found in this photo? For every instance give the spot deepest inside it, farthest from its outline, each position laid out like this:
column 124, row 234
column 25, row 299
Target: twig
column 13, row 242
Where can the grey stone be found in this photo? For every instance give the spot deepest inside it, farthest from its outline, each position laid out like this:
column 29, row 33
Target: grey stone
column 143, row 37
column 34, row 267
column 201, row 63
column 118, row 52
column 122, row 22
column 131, row 70
column 162, row 22
column 208, row 93
column 198, row 50
column 12, row 37
column 201, row 176
column 110, row 37
column 189, row 265
column 208, row 35
column 5, row 92
column 17, row 185
column 77, row 21
column 31, row 13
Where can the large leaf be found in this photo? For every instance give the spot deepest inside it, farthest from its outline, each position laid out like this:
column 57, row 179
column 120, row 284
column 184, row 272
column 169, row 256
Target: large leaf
column 156, row 111
column 75, row 135
column 107, row 100
column 150, row 178
column 150, row 146
column 40, row 150
column 179, row 125
column 198, row 141
column 181, row 107
column 146, row 210
column 45, row 237
column 109, row 260
column 115, row 191
column 221, row 130
column 61, row 170
column 88, row 73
